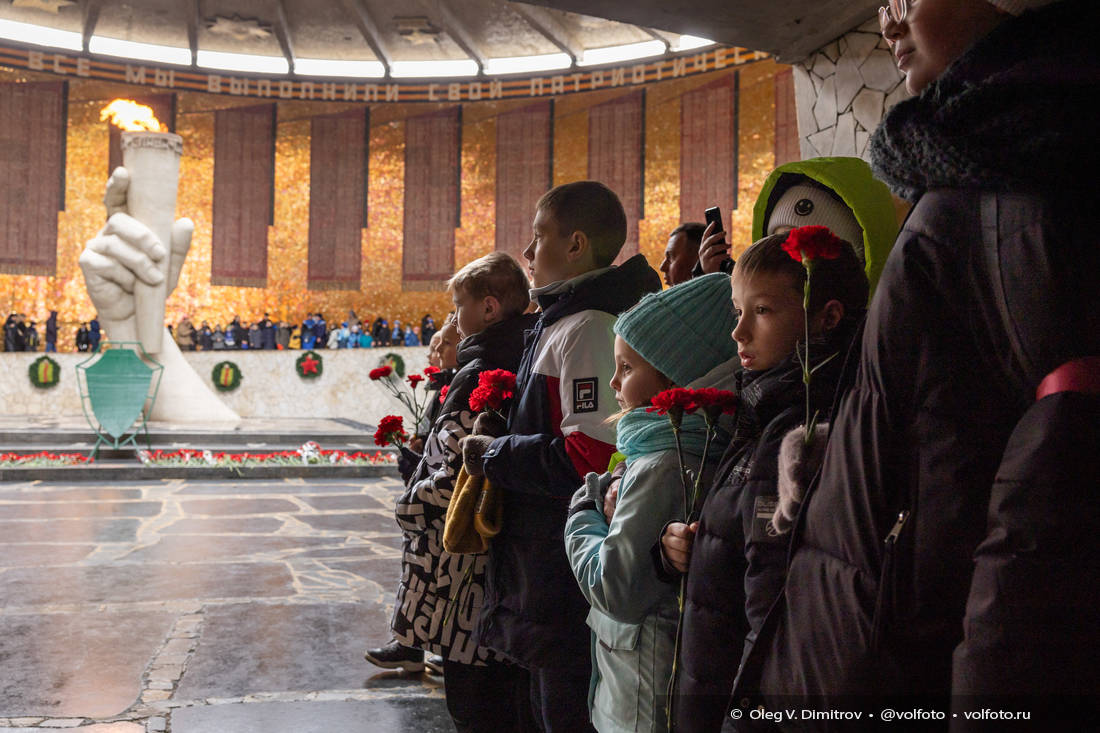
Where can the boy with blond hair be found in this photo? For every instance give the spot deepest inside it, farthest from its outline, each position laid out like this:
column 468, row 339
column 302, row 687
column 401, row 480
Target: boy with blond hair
column 439, row 597
column 534, row 613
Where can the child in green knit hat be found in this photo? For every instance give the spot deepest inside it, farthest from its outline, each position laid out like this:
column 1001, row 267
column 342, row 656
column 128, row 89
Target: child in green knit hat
column 676, row 338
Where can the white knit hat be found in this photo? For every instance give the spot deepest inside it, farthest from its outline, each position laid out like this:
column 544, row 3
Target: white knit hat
column 811, row 203
column 1015, row 7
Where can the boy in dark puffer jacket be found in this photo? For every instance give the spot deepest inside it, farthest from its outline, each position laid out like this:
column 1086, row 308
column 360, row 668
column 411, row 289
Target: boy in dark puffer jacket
column 737, row 558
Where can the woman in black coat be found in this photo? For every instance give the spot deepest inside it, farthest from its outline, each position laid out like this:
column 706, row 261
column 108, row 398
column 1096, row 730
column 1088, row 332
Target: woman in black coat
column 948, row 550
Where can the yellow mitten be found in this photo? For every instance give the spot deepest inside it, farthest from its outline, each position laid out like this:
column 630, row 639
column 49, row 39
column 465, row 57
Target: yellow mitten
column 459, row 535
column 489, row 512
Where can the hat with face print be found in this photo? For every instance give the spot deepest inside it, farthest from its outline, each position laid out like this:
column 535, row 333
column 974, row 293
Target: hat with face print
column 810, row 203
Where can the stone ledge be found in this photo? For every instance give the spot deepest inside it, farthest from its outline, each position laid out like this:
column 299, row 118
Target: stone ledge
column 102, row 472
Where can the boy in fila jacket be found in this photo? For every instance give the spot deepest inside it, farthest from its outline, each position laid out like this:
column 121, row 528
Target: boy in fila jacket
column 533, row 612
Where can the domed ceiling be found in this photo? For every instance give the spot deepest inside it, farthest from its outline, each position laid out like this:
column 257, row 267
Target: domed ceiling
column 421, row 38
column 356, row 38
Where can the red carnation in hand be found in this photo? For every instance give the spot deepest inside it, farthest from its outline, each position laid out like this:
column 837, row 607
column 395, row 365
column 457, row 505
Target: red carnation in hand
column 813, row 243
column 390, row 430
column 381, row 372
column 415, row 379
column 493, row 388
column 430, row 370
column 443, row 393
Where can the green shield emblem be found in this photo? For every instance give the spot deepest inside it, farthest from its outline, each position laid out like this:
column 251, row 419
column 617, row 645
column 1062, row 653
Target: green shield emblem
column 118, row 385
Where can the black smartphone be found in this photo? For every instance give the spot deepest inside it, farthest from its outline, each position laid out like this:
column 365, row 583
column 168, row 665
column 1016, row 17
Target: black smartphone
column 714, row 215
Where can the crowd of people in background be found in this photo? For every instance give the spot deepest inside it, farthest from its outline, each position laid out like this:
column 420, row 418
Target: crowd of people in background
column 21, row 334
column 313, row 333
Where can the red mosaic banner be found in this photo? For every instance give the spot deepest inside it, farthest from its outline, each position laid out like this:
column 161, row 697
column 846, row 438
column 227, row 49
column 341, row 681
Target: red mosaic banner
column 708, row 149
column 786, row 119
column 339, row 150
column 525, row 154
column 244, row 188
column 32, row 175
column 432, row 156
column 164, row 108
column 616, row 152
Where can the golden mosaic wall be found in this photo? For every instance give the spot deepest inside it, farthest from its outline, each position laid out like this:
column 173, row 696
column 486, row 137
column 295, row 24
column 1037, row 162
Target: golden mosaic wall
column 286, row 295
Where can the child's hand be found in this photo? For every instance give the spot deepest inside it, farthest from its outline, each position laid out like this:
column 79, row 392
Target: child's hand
column 609, row 500
column 491, row 424
column 473, row 453
column 676, row 544
column 611, row 497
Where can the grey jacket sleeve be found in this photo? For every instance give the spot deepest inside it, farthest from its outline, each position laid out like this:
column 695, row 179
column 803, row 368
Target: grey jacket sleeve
column 612, row 563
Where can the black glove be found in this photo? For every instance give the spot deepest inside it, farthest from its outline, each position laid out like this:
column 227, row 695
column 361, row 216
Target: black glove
column 407, row 461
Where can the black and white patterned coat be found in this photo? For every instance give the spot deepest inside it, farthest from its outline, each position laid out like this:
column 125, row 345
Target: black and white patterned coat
column 440, row 595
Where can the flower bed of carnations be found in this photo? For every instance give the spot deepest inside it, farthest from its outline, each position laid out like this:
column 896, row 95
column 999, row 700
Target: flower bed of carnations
column 38, row 460
column 309, row 454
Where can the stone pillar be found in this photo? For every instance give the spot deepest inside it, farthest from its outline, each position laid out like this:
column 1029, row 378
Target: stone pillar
column 842, row 92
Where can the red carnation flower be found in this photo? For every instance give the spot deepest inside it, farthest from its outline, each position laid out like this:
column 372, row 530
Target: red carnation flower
column 501, row 379
column 676, row 398
column 415, row 379
column 715, row 401
column 429, row 371
column 812, row 243
column 494, row 386
column 443, row 393
column 381, row 372
column 390, row 430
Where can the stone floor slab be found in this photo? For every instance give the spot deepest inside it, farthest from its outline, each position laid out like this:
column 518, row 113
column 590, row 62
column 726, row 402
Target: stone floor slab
column 227, row 525
column 69, row 530
column 378, row 522
column 237, row 507
column 68, row 510
column 342, row 503
column 23, row 555
column 194, row 548
column 76, row 665
column 393, row 715
column 245, row 649
column 36, row 493
column 142, row 582
column 217, row 488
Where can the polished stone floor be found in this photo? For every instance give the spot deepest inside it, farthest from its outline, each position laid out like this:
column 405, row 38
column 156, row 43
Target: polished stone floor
column 203, row 607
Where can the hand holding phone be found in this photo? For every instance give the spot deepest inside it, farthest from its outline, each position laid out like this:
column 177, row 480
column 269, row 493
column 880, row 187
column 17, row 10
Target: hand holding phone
column 713, row 250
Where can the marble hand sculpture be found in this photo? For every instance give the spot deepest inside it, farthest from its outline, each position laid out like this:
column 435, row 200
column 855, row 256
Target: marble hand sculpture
column 124, row 253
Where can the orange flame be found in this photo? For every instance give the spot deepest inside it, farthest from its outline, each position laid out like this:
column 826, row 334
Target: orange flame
column 131, row 116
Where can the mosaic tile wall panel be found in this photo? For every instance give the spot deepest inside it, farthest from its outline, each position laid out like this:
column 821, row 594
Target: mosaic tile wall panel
column 286, row 295
column 432, row 175
column 337, row 199
column 616, row 132
column 524, row 152
column 244, row 177
column 32, row 147
column 708, row 149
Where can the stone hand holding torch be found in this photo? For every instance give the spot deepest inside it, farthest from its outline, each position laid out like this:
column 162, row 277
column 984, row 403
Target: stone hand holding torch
column 152, row 158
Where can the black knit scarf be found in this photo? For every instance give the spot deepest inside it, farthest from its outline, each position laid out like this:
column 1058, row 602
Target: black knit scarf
column 1015, row 113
